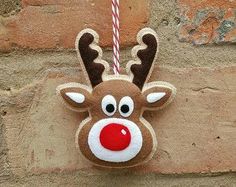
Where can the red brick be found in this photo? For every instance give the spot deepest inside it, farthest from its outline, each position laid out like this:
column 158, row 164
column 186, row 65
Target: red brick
column 196, row 133
column 50, row 24
column 207, row 21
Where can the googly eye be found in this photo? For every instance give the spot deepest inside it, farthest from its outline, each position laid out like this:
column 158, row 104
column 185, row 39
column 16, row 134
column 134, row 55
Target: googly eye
column 108, row 105
column 126, row 106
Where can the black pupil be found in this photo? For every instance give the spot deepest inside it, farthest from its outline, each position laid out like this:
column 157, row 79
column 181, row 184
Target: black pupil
column 124, row 108
column 110, row 108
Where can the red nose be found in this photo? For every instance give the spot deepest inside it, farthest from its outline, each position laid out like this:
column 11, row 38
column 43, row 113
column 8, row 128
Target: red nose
column 115, row 137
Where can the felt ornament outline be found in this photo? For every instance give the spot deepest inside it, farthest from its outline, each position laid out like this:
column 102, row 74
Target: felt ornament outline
column 114, row 90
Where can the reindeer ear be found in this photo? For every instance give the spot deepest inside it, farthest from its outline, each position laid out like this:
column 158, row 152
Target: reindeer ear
column 157, row 95
column 76, row 96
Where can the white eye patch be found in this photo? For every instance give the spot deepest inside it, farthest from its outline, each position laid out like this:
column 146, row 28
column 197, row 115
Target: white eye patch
column 108, row 105
column 154, row 97
column 76, row 97
column 126, row 106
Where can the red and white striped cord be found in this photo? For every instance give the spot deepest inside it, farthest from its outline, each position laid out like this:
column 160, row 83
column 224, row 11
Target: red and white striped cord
column 116, row 36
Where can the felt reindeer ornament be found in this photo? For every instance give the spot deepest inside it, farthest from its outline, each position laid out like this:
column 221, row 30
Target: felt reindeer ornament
column 115, row 134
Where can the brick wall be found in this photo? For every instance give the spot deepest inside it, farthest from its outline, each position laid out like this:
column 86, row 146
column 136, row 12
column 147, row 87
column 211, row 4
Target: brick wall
column 196, row 133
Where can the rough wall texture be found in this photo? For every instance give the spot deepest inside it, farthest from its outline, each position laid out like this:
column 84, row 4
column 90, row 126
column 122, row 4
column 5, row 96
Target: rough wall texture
column 208, row 21
column 197, row 133
column 54, row 24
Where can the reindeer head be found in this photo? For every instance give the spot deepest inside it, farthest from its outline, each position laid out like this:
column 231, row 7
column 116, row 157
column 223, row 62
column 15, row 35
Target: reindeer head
column 115, row 134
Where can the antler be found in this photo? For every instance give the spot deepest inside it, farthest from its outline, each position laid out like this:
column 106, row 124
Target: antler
column 144, row 56
column 89, row 54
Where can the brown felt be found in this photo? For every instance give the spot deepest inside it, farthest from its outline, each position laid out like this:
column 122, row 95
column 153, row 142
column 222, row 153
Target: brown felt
column 118, row 89
column 162, row 101
column 88, row 56
column 140, row 71
column 72, row 104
